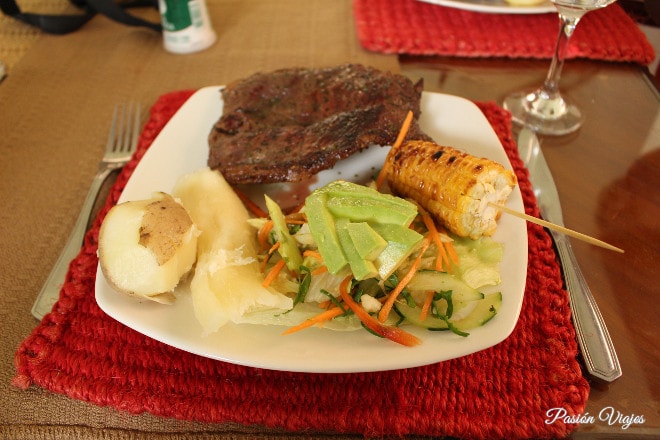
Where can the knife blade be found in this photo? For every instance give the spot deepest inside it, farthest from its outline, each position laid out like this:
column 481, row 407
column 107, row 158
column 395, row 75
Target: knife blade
column 595, row 343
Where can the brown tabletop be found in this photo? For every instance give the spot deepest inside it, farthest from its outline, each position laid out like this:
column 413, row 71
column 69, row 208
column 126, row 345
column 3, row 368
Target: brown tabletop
column 57, row 100
column 605, row 178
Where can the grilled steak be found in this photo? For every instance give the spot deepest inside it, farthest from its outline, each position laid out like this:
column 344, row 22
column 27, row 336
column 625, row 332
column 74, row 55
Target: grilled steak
column 289, row 124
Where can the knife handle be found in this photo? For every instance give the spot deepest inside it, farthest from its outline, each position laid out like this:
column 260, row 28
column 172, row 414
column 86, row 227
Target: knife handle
column 50, row 292
column 594, row 339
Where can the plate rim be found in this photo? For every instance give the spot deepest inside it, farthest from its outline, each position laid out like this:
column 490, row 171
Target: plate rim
column 543, row 8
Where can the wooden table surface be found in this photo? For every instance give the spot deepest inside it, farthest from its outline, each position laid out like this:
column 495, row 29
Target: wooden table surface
column 52, row 103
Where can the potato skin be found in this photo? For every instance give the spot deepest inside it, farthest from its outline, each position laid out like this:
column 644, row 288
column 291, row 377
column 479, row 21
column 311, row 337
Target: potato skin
column 164, row 225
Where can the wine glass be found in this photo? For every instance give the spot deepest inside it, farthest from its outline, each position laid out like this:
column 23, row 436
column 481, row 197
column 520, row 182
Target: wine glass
column 544, row 110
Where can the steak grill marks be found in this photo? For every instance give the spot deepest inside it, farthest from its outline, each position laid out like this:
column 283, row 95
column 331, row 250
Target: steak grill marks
column 290, row 124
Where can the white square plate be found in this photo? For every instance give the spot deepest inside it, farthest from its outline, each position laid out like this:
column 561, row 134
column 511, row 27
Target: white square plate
column 182, row 147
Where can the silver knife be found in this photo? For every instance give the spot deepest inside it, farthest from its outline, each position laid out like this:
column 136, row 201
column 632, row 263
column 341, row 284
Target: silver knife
column 595, row 343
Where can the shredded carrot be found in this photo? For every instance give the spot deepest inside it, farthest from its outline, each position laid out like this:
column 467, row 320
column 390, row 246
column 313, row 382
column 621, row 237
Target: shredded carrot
column 440, row 258
column 263, row 233
column 271, row 251
column 319, row 270
column 274, row 247
column 382, row 175
column 272, row 274
column 394, row 334
column 435, row 235
column 387, row 306
column 249, row 204
column 314, row 254
column 399, row 140
column 449, row 246
column 343, row 286
column 428, row 299
column 295, row 217
column 452, row 252
column 325, row 304
column 318, row 319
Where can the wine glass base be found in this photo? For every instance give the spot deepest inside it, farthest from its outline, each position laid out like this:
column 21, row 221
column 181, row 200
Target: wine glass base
column 544, row 115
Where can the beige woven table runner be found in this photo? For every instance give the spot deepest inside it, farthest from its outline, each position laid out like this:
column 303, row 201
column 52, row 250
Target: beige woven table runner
column 16, row 38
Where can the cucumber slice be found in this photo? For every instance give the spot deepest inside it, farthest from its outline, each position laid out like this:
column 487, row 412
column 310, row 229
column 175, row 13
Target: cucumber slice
column 425, row 280
column 483, row 312
column 288, row 248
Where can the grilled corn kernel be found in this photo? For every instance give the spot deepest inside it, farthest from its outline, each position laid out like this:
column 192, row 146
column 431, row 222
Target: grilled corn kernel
column 456, row 188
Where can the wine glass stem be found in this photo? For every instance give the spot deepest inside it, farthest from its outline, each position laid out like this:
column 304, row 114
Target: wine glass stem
column 566, row 28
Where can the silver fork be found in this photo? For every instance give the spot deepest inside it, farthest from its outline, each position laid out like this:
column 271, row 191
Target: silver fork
column 122, row 142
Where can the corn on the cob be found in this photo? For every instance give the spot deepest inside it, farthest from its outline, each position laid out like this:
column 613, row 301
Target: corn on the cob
column 454, row 187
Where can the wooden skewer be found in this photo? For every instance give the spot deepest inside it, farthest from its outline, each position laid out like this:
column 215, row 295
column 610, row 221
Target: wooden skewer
column 561, row 229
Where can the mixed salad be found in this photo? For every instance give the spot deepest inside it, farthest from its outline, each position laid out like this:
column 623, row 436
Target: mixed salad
column 355, row 257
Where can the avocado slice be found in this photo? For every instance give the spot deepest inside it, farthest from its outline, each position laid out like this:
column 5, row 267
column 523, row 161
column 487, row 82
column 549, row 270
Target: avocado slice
column 368, row 243
column 361, row 268
column 372, row 210
column 401, row 242
column 362, row 203
column 324, row 231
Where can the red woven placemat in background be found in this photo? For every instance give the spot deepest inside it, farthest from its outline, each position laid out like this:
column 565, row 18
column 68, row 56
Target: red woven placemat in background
column 501, row 392
column 418, row 28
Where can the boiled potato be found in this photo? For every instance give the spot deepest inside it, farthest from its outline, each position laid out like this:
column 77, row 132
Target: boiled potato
column 227, row 283
column 147, row 246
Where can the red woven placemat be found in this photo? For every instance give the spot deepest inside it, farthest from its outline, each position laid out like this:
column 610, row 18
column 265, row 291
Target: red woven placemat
column 501, row 392
column 418, row 28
